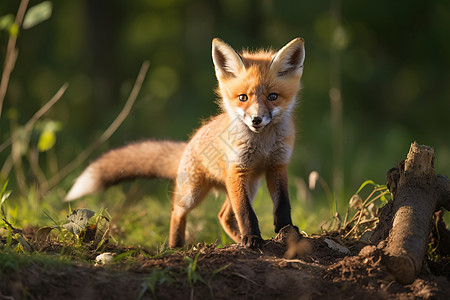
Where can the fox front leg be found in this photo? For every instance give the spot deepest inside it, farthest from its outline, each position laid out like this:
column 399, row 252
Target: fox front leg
column 277, row 183
column 240, row 195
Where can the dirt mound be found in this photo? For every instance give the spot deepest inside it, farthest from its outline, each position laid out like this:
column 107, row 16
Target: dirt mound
column 286, row 268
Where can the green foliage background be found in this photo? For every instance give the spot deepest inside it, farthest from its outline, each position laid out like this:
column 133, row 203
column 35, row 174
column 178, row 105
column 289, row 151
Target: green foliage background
column 394, row 58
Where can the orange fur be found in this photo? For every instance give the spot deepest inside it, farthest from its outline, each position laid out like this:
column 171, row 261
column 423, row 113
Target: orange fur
column 253, row 137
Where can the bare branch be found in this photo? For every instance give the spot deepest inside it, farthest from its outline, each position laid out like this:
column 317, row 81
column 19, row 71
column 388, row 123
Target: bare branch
column 106, row 134
column 37, row 115
column 11, row 53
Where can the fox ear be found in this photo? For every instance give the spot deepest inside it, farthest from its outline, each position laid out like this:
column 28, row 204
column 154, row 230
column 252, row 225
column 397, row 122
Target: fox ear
column 289, row 60
column 227, row 62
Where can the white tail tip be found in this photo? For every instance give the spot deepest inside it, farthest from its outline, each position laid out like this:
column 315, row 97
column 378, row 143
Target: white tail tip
column 87, row 183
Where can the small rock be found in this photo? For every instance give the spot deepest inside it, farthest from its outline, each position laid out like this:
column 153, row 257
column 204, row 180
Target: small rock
column 104, row 258
column 337, row 247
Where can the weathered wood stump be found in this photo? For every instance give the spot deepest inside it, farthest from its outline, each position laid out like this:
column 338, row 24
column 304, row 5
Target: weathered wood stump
column 406, row 221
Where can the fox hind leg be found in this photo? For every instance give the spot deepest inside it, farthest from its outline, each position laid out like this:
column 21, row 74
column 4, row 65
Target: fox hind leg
column 177, row 226
column 188, row 194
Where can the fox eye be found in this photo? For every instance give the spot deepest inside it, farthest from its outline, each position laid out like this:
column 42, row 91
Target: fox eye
column 272, row 97
column 243, row 97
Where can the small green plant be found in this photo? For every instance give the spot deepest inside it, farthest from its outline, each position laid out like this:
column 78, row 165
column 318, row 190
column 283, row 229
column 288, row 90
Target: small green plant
column 156, row 277
column 366, row 215
column 191, row 270
column 131, row 255
column 12, row 262
column 4, row 194
column 193, row 276
column 431, row 252
column 164, row 250
column 218, row 270
column 432, row 247
column 13, row 233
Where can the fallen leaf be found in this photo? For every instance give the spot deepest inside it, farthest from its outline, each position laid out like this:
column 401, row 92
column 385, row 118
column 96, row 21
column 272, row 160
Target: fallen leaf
column 43, row 233
column 78, row 220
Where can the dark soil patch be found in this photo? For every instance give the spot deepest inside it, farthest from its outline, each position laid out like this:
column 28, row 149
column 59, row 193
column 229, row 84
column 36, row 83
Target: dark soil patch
column 231, row 272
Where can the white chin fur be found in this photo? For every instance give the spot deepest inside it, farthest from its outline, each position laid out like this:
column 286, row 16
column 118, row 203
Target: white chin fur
column 86, row 184
column 257, row 130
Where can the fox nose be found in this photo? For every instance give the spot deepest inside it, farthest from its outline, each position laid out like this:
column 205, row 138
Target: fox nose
column 257, row 120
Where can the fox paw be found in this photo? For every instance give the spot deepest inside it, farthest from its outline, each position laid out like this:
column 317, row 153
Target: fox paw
column 279, row 226
column 252, row 241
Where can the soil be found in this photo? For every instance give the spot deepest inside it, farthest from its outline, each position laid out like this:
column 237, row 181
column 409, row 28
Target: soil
column 286, row 268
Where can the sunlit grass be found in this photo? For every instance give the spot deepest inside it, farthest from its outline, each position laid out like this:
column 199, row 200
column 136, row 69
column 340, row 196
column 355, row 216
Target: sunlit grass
column 141, row 210
column 11, row 262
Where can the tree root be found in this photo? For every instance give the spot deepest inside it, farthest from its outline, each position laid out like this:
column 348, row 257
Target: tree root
column 406, row 221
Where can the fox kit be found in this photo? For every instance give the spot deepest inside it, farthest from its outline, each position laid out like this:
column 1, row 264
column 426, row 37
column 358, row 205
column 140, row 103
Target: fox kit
column 252, row 137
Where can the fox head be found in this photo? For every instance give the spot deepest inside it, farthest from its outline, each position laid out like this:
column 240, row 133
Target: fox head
column 258, row 88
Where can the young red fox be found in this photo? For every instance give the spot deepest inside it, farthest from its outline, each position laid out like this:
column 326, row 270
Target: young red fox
column 252, row 137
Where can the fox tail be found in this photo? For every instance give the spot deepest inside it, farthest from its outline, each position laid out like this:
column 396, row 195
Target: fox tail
column 147, row 159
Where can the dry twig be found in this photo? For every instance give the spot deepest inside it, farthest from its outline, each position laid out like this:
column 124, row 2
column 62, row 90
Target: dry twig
column 11, row 53
column 106, row 134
